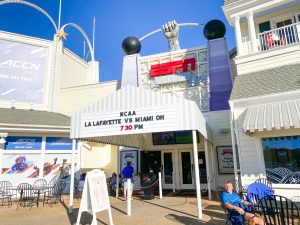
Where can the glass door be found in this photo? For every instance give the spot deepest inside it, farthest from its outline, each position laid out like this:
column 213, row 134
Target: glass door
column 186, row 175
column 202, row 169
column 167, row 174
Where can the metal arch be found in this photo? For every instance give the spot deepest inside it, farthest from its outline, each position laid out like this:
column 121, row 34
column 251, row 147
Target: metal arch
column 160, row 29
column 4, row 2
column 83, row 34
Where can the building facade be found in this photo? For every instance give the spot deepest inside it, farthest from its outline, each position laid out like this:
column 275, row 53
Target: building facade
column 41, row 83
column 265, row 98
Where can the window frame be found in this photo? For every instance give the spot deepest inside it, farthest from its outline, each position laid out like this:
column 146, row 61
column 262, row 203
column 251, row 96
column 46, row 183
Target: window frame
column 274, row 185
column 281, row 18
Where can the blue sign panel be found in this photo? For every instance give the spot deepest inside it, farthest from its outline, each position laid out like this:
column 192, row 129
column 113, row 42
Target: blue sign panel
column 23, row 143
column 58, row 143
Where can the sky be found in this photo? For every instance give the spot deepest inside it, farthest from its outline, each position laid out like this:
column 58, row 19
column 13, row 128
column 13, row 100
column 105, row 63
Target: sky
column 115, row 20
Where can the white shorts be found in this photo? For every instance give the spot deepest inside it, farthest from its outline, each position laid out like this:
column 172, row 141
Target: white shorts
column 125, row 184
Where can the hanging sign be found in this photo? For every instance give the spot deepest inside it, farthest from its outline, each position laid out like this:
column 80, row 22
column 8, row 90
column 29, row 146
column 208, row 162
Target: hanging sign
column 95, row 196
column 144, row 120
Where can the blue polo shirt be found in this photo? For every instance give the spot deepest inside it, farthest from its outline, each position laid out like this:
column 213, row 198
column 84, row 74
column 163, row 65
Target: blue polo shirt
column 232, row 198
column 127, row 172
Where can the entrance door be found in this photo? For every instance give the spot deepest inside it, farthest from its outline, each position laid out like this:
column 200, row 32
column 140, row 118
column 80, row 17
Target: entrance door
column 186, row 174
column 202, row 170
column 167, row 166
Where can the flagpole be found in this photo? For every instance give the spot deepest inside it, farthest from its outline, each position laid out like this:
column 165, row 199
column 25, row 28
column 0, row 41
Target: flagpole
column 59, row 14
column 83, row 50
column 94, row 24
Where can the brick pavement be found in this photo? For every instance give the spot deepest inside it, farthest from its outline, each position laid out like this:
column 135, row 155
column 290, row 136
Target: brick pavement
column 169, row 210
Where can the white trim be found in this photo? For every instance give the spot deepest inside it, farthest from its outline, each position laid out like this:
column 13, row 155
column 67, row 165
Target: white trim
column 258, row 7
column 41, row 130
column 32, row 125
column 281, row 18
column 263, row 99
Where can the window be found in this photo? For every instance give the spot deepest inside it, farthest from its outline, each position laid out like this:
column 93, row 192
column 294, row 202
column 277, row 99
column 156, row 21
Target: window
column 265, row 26
column 282, row 159
column 284, row 23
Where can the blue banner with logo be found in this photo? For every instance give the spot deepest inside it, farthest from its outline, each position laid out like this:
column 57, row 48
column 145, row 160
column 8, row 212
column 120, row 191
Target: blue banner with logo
column 23, row 143
column 58, row 143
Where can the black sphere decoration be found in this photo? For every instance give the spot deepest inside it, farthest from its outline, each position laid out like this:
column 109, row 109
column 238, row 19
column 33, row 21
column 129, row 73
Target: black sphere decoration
column 131, row 45
column 214, row 29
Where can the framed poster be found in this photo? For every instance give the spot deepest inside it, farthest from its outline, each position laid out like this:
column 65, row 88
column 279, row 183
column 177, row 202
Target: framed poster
column 225, row 159
column 129, row 155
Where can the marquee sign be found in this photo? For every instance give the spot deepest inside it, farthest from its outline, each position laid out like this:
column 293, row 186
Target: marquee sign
column 142, row 120
column 171, row 67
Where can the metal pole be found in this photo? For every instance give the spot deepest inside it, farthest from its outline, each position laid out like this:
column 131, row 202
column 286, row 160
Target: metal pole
column 207, row 169
column 128, row 197
column 160, row 185
column 72, row 177
column 94, row 25
column 197, row 178
column 59, row 15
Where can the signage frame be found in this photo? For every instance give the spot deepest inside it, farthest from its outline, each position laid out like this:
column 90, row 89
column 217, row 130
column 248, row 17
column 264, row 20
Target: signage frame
column 134, row 160
column 221, row 169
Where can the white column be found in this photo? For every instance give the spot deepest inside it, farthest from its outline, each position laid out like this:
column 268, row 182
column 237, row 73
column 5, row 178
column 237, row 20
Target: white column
column 160, row 185
column 197, row 177
column 93, row 74
column 213, row 164
column 238, row 35
column 252, row 33
column 79, row 166
column 72, row 177
column 2, row 143
column 234, row 150
column 42, row 157
column 207, row 169
column 118, row 171
column 55, row 78
column 128, row 197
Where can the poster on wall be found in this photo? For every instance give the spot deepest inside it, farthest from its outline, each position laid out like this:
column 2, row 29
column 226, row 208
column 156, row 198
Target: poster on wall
column 23, row 143
column 22, row 72
column 18, row 168
column 58, row 143
column 130, row 155
column 58, row 165
column 225, row 159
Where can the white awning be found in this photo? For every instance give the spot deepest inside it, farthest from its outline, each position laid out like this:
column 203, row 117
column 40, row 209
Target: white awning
column 280, row 115
column 102, row 121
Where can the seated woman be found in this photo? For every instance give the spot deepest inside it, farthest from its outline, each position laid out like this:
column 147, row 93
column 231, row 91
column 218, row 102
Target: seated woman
column 81, row 182
column 112, row 184
column 234, row 204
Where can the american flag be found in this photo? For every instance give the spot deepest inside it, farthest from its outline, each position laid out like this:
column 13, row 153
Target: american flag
column 94, row 20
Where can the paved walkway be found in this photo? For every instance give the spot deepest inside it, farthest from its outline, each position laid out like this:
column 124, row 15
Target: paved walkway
column 169, row 210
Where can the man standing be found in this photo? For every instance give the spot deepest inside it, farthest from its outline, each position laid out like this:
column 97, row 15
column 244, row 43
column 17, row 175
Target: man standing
column 128, row 173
